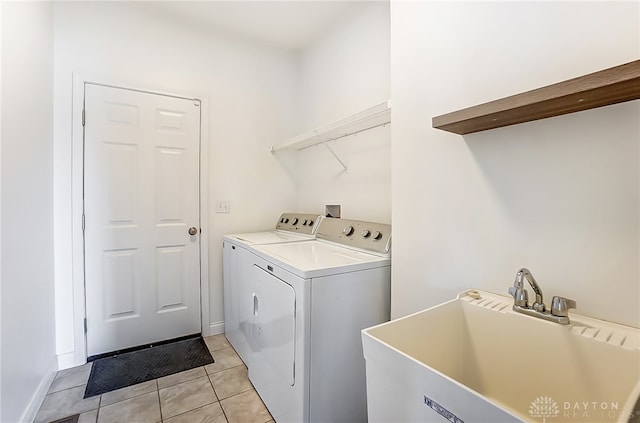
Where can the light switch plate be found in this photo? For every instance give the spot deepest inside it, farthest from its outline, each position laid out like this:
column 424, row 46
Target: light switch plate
column 223, row 206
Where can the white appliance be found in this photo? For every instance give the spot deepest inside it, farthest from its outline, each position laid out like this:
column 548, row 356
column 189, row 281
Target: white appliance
column 310, row 302
column 237, row 263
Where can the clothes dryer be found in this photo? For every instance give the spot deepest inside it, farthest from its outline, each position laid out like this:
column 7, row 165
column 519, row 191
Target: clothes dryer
column 237, row 263
column 310, row 302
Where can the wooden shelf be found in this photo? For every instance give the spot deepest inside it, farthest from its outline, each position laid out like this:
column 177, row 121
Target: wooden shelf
column 603, row 88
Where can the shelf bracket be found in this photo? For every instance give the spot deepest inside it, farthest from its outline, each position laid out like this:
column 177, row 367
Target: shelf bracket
column 335, row 155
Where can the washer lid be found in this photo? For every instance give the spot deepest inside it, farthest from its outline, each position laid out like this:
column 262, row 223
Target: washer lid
column 270, row 237
column 316, row 258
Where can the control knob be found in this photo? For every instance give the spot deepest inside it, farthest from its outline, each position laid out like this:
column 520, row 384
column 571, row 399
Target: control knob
column 348, row 230
column 366, row 233
column 377, row 235
column 304, row 222
column 294, row 221
column 286, row 220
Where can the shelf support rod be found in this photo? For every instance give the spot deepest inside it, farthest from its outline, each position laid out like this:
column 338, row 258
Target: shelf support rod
column 335, row 155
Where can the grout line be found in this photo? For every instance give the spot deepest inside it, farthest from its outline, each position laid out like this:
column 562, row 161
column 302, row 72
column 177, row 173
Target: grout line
column 218, row 398
column 197, row 408
column 241, row 392
column 228, row 368
column 131, row 397
column 264, row 405
column 99, row 405
column 66, row 389
column 214, row 388
column 159, row 402
column 184, row 381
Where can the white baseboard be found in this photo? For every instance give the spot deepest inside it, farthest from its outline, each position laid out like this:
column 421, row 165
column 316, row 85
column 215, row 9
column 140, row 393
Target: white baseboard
column 38, row 396
column 215, row 328
column 67, row 360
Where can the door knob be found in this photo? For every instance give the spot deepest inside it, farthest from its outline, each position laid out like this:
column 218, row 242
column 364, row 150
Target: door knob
column 193, row 230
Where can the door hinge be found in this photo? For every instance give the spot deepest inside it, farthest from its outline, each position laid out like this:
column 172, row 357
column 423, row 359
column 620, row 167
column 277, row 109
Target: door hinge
column 85, row 325
column 83, row 225
column 83, row 117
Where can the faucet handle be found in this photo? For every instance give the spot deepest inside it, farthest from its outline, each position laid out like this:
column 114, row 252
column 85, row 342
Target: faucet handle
column 520, row 296
column 560, row 306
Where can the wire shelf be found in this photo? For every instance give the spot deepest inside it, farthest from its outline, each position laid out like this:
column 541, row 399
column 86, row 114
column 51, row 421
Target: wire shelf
column 372, row 117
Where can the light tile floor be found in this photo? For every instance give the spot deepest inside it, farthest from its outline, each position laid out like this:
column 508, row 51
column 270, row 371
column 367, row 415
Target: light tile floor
column 217, row 393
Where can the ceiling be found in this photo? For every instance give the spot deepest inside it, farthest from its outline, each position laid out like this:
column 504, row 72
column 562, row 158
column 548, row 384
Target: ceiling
column 290, row 25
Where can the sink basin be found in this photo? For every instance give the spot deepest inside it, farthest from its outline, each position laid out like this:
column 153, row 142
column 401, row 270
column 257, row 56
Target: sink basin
column 473, row 359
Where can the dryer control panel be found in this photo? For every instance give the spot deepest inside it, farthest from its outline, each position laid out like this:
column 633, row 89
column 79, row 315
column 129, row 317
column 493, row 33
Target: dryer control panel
column 301, row 223
column 370, row 236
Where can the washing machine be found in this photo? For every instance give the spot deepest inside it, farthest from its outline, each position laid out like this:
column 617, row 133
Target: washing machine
column 237, row 263
column 310, row 302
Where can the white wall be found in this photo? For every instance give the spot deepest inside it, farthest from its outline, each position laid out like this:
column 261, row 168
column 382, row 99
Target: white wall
column 28, row 337
column 345, row 72
column 251, row 93
column 559, row 196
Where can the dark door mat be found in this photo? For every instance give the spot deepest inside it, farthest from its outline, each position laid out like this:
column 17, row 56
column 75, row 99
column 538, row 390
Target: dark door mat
column 122, row 370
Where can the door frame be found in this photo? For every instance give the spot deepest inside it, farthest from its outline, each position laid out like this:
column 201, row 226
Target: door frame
column 77, row 204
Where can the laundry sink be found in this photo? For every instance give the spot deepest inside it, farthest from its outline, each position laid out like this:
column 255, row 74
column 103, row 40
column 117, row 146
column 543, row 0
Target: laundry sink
column 473, row 359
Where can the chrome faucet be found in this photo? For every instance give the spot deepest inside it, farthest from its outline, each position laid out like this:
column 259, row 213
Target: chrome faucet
column 559, row 305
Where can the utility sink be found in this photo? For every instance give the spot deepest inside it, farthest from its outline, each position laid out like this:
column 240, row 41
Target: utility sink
column 474, row 359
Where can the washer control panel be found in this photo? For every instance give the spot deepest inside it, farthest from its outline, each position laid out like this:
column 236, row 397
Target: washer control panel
column 299, row 222
column 371, row 236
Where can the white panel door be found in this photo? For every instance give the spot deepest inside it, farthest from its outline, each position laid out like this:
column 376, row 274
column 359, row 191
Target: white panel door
column 141, row 197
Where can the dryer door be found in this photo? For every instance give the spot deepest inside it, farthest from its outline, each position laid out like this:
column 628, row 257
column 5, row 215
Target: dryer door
column 272, row 364
column 237, row 265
